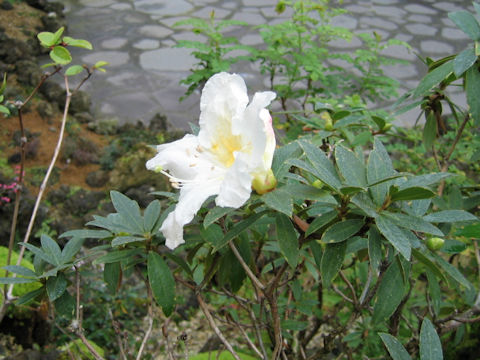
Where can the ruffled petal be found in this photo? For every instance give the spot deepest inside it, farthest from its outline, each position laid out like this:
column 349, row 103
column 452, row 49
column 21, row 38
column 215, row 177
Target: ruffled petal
column 191, row 199
column 222, row 104
column 237, row 184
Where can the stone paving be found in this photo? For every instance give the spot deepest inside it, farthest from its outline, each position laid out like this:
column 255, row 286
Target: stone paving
column 137, row 38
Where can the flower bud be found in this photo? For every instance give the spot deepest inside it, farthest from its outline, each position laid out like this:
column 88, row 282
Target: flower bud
column 264, row 183
column 435, row 243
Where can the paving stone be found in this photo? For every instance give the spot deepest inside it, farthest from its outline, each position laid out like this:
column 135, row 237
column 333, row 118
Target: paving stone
column 377, row 22
column 389, row 11
column 147, row 44
column 205, row 13
column 399, row 52
column 401, row 71
column 252, row 19
column 447, row 6
column 114, row 43
column 435, row 47
column 269, row 12
column 345, row 21
column 343, row 44
column 359, row 9
column 259, row 3
column 121, row 6
column 114, row 58
column 97, row 3
column 454, row 34
column 163, row 7
column 424, row 19
column 421, row 29
column 420, row 9
column 169, row 59
column 385, row 2
column 251, row 39
column 155, row 31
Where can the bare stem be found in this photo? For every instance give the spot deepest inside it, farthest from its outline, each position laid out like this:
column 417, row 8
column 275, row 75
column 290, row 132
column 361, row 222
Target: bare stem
column 256, row 282
column 150, row 323
column 214, row 326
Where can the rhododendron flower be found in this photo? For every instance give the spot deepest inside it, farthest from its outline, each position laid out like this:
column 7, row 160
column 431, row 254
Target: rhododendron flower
column 232, row 153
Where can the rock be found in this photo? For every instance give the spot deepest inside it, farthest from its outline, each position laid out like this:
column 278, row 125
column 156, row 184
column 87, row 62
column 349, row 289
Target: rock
column 83, row 201
column 141, row 195
column 28, row 72
column 97, row 179
column 84, row 117
column 6, row 5
column 46, row 110
column 12, row 50
column 80, row 103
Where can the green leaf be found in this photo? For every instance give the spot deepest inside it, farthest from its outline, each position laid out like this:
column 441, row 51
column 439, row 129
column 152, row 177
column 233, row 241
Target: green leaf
column 379, row 166
column 430, row 345
column 322, row 166
column 342, row 230
column 394, row 347
column 434, row 291
column 321, row 221
column 413, row 193
column 4, row 110
column 57, row 36
column 351, row 168
column 472, row 88
column 87, row 234
column 394, row 235
column 451, row 271
column 60, row 55
column 4, row 84
column 16, row 280
column 77, row 43
column 450, row 216
column 56, row 285
column 65, row 305
column 287, row 239
column 20, row 270
column 28, row 297
column 46, row 38
column 467, row 23
column 99, row 65
column 162, row 282
column 332, row 260
column 112, row 276
column 429, row 263
column 390, row 293
column 71, row 248
column 122, row 240
column 74, row 70
column 464, row 61
column 151, row 215
column 279, row 200
column 41, row 254
column 129, row 210
column 433, row 78
column 374, row 248
column 238, row 228
column 470, row 231
column 51, row 248
column 429, row 131
column 413, row 223
column 216, row 213
column 118, row 255
column 423, row 180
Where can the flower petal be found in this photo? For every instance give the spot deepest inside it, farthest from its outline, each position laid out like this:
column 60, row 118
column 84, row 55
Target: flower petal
column 222, row 104
column 190, row 201
column 237, row 184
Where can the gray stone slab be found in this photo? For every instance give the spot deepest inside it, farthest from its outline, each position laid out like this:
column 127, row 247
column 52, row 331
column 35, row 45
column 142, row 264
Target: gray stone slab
column 424, row 19
column 421, row 29
column 163, row 7
column 114, row 43
column 97, row 3
column 156, row 31
column 114, row 58
column 121, row 6
column 370, row 21
column 420, row 9
column 259, row 3
column 447, row 6
column 436, row 47
column 251, row 39
column 147, row 44
column 389, row 11
column 399, row 52
column 454, row 34
column 344, row 44
column 250, row 18
column 269, row 12
column 345, row 21
column 168, row 59
column 205, row 13
column 401, row 71
column 385, row 2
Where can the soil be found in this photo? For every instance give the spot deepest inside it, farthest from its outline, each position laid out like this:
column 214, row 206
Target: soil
column 48, row 130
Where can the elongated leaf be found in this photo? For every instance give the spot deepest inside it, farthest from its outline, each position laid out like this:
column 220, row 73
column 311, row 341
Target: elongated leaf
column 51, row 248
column 332, row 260
column 38, row 252
column 379, row 166
column 413, row 193
column 20, row 270
column 57, row 35
column 430, row 131
column 216, row 213
column 74, row 70
column 413, row 223
column 434, row 291
column 238, row 228
column 430, row 345
column 390, row 293
column 424, row 180
column 162, row 282
column 324, row 168
column 287, row 239
column 433, row 78
column 78, row 43
column 351, row 168
column 279, row 200
column 122, row 240
column 473, row 89
column 464, row 61
column 394, row 347
column 429, row 262
column 71, row 248
column 342, row 230
column 394, row 235
column 467, row 23
column 128, row 209
column 116, row 256
column 451, row 271
column 28, row 297
column 450, row 216
column 56, row 286
column 16, row 280
column 46, row 38
column 374, row 248
column 87, row 234
column 112, row 276
column 321, row 221
column 4, row 110
column 60, row 55
column 150, row 217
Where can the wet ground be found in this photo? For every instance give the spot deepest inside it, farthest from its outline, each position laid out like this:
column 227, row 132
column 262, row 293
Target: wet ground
column 137, row 37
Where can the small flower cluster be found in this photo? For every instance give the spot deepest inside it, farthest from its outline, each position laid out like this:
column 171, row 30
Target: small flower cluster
column 6, row 190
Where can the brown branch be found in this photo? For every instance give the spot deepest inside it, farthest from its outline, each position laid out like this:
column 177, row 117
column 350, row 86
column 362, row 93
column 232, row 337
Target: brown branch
column 350, row 286
column 256, row 282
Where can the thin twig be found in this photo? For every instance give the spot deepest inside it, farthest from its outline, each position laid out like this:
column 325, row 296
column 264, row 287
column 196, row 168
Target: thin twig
column 367, row 286
column 150, row 323
column 217, row 331
column 256, row 282
column 350, row 286
column 339, row 292
column 118, row 335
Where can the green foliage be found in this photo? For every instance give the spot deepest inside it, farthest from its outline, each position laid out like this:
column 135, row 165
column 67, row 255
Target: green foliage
column 78, row 349
column 220, row 355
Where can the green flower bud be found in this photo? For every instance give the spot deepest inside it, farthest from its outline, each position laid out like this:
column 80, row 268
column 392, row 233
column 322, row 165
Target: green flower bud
column 264, row 183
column 435, row 243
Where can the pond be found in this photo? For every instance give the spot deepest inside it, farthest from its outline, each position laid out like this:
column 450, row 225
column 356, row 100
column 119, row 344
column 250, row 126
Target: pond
column 138, row 39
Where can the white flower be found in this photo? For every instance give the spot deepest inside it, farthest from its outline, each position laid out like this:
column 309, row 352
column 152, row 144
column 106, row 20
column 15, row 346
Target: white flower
column 234, row 148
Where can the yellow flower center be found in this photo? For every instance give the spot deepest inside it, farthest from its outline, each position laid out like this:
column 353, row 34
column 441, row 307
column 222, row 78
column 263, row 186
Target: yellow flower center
column 225, row 146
